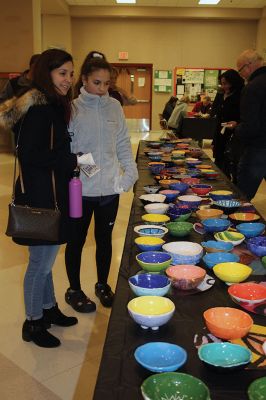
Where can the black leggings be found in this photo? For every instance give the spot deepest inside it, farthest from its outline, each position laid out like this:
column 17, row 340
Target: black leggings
column 105, row 211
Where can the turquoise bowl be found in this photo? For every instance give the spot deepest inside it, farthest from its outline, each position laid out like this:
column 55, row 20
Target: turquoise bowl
column 224, row 356
column 251, row 229
column 211, row 259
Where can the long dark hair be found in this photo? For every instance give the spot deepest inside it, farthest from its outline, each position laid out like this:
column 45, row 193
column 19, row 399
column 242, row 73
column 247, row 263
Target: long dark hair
column 234, row 79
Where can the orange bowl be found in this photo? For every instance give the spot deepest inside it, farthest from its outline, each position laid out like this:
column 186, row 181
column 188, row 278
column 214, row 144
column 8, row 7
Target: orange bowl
column 243, row 217
column 209, row 213
column 186, row 276
column 227, row 323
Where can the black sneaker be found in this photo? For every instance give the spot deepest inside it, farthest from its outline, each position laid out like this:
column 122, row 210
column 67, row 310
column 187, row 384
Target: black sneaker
column 55, row 316
column 105, row 294
column 79, row 301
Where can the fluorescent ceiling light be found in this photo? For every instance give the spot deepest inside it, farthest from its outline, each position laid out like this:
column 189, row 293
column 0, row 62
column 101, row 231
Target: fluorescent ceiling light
column 126, row 1
column 213, row 2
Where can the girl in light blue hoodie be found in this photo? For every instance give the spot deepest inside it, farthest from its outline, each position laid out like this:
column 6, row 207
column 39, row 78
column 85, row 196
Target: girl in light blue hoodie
column 98, row 127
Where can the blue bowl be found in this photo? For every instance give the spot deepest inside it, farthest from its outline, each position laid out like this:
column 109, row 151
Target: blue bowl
column 227, row 206
column 156, row 169
column 170, row 197
column 213, row 246
column 211, row 259
column 215, row 224
column 224, row 356
column 155, row 158
column 257, row 245
column 149, row 284
column 216, row 197
column 181, row 187
column 251, row 229
column 154, row 261
column 160, row 356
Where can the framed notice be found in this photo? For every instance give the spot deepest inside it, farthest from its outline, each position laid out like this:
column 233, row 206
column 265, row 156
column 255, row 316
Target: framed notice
column 163, row 81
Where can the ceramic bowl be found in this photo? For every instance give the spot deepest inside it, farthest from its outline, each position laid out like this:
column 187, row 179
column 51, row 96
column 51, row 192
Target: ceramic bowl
column 155, row 219
column 212, row 246
column 257, row 245
column 174, row 386
column 152, row 198
column 240, row 217
column 179, row 228
column 181, row 187
column 210, row 174
column 221, row 195
column 165, row 183
column 156, row 168
column 191, row 201
column 194, row 152
column 151, row 189
column 151, row 311
column 185, row 277
column 177, row 213
column 224, row 356
column 251, row 229
column 227, row 323
column 193, row 163
column 156, row 208
column 201, row 189
column 156, row 157
column 263, row 260
column 248, row 292
column 232, row 271
column 160, row 356
column 233, row 237
column 207, row 213
column 257, row 389
column 147, row 243
column 212, row 225
column 227, row 206
column 170, row 195
column 151, row 230
column 190, row 181
column 149, row 284
column 211, row 259
column 184, row 252
column 153, row 261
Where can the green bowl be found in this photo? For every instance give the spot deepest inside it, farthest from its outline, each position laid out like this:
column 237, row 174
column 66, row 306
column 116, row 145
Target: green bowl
column 257, row 389
column 182, row 217
column 174, row 386
column 263, row 260
column 179, row 228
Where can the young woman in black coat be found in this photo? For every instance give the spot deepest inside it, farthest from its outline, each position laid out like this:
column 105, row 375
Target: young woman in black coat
column 31, row 117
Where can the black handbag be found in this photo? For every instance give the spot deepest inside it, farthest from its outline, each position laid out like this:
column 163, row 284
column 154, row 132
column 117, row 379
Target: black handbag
column 31, row 222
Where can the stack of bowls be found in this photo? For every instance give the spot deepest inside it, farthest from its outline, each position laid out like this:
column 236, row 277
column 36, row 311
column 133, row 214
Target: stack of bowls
column 149, row 284
column 184, row 252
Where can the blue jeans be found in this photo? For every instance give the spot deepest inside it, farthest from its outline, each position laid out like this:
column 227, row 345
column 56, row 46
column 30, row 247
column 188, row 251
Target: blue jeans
column 38, row 281
column 251, row 171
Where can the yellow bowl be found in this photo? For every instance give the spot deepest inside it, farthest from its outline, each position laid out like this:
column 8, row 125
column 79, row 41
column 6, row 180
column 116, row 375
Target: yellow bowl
column 221, row 192
column 209, row 213
column 151, row 305
column 232, row 271
column 150, row 241
column 232, row 237
column 155, row 218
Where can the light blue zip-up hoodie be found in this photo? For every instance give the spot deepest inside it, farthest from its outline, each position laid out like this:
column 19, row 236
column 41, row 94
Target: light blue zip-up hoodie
column 98, row 126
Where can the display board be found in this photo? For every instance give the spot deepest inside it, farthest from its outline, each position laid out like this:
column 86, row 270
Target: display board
column 163, row 81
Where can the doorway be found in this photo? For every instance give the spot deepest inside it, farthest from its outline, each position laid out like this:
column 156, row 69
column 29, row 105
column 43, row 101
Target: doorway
column 136, row 81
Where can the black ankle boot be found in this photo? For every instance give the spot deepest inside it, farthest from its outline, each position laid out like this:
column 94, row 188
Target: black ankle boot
column 36, row 332
column 105, row 294
column 55, row 316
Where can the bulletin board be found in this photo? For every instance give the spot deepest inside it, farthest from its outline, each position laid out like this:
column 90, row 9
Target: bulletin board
column 163, row 81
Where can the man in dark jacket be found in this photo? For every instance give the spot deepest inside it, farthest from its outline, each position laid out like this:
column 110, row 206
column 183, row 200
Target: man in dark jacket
column 252, row 128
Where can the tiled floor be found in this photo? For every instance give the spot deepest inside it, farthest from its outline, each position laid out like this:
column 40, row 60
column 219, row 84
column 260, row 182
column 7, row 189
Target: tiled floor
column 68, row 372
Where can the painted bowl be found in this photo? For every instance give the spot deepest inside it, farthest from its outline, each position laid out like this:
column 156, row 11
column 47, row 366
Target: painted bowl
column 154, row 157
column 179, row 228
column 190, row 181
column 251, row 229
column 174, row 386
column 190, row 200
column 249, row 293
column 193, row 163
column 221, row 195
column 154, row 144
column 155, row 219
column 177, row 213
column 149, row 243
column 184, row 252
column 160, row 356
column 149, row 284
column 257, row 389
column 227, row 206
column 257, row 245
column 215, row 225
column 151, row 189
column 212, row 246
column 207, row 213
column 263, row 260
column 151, row 311
column 232, row 272
column 240, row 217
column 224, row 356
column 233, row 237
column 201, row 189
column 153, row 261
column 181, row 187
column 227, row 323
column 156, row 208
column 210, row 174
column 165, row 183
column 151, row 230
column 170, row 195
column 194, row 152
column 156, row 168
column 152, row 198
column 185, row 277
column 211, row 259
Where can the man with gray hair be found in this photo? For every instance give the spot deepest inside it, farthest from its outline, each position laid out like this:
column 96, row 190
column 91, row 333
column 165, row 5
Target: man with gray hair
column 251, row 131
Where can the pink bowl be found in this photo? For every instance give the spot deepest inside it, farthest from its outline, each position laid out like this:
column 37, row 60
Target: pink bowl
column 248, row 292
column 186, row 276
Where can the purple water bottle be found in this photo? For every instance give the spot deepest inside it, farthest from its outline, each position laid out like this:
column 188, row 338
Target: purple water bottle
column 75, row 196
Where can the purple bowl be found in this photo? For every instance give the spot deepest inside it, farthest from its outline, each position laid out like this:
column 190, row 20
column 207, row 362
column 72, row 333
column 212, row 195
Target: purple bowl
column 182, row 187
column 257, row 245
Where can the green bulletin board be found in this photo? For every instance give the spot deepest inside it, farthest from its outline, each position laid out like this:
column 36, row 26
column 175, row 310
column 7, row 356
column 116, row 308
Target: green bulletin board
column 163, row 81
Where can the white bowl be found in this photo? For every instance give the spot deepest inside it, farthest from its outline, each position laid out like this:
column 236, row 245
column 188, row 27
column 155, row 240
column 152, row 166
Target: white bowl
column 156, row 208
column 153, row 198
column 184, row 252
column 151, row 230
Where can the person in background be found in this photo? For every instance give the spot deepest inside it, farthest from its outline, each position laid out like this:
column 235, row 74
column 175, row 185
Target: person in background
column 251, row 131
column 226, row 110
column 98, row 126
column 18, row 84
column 119, row 93
column 169, row 108
column 203, row 107
column 32, row 116
column 179, row 112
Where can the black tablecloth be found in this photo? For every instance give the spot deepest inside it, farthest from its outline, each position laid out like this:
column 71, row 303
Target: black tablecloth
column 198, row 128
column 120, row 377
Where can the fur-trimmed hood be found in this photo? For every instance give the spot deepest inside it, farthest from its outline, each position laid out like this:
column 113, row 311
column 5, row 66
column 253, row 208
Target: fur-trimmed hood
column 12, row 110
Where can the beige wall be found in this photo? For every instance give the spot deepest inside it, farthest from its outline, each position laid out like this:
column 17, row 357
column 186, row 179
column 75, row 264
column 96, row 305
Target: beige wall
column 164, row 43
column 261, row 34
column 56, row 32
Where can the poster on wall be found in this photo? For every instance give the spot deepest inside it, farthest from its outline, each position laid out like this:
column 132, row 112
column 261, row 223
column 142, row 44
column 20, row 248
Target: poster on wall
column 163, row 81
column 211, row 78
column 193, row 76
